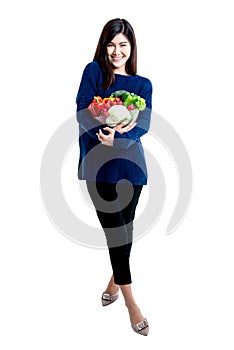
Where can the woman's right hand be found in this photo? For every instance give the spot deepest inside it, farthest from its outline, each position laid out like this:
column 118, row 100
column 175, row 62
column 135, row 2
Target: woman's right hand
column 122, row 129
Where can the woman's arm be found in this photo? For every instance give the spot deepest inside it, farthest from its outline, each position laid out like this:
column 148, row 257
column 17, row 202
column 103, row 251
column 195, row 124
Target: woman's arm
column 108, row 140
column 87, row 90
column 126, row 139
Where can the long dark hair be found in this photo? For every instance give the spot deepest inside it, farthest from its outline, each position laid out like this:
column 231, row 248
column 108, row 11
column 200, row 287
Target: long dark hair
column 110, row 30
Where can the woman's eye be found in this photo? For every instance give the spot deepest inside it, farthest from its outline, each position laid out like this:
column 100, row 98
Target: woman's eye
column 110, row 45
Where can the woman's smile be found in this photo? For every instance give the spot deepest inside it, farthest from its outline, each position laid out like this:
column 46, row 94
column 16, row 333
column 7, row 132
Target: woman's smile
column 118, row 51
column 117, row 59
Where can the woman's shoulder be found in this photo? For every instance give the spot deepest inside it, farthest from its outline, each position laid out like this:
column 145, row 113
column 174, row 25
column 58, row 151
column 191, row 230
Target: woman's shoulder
column 144, row 80
column 144, row 84
column 92, row 67
column 92, row 73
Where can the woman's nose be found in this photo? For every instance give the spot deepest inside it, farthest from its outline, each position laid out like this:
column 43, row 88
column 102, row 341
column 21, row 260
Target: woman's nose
column 116, row 50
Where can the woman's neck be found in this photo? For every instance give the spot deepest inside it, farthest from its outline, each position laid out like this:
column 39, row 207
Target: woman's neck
column 120, row 70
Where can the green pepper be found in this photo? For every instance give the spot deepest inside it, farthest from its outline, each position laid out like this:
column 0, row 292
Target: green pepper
column 119, row 93
column 128, row 99
column 125, row 95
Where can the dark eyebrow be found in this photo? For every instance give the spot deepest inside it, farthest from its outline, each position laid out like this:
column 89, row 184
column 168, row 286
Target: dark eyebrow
column 122, row 42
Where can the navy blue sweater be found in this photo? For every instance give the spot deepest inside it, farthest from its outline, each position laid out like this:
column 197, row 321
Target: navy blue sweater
column 124, row 160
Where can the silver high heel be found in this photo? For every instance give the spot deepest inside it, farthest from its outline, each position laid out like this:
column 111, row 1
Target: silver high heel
column 108, row 299
column 142, row 327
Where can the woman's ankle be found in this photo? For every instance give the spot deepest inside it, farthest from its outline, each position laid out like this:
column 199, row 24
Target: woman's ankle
column 131, row 305
column 135, row 314
column 112, row 288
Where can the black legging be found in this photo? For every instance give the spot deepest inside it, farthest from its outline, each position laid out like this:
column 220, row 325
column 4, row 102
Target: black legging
column 117, row 225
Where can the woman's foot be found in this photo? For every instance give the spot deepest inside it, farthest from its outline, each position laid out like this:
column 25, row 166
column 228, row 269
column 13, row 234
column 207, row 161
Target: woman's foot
column 111, row 293
column 134, row 313
column 138, row 322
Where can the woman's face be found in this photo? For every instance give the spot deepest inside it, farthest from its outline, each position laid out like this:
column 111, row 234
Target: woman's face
column 119, row 50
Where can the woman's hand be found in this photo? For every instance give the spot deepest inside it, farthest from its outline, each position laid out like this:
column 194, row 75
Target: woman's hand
column 122, row 129
column 107, row 140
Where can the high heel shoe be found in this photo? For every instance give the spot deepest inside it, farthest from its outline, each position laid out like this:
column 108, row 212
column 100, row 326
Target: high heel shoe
column 142, row 327
column 108, row 299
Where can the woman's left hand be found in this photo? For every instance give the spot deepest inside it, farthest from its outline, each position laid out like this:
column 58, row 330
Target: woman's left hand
column 107, row 140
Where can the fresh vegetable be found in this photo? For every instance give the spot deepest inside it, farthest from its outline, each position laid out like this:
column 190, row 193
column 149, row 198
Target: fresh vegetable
column 118, row 93
column 131, row 107
column 97, row 99
column 130, row 99
column 111, row 101
column 118, row 114
column 120, row 107
column 97, row 107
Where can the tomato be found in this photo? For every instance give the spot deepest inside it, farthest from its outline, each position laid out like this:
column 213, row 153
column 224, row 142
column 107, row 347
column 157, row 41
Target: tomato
column 131, row 107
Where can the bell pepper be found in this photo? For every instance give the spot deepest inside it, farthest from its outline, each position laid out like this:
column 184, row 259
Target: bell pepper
column 97, row 107
column 117, row 99
column 108, row 102
column 97, row 99
column 128, row 99
column 133, row 99
column 118, row 93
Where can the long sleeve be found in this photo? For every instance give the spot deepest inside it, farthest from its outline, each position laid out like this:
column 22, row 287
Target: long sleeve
column 87, row 90
column 143, row 121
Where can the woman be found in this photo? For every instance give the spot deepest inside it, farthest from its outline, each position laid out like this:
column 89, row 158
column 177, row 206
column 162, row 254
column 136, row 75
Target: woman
column 111, row 156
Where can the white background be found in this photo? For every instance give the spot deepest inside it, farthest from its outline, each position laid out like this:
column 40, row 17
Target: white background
column 183, row 282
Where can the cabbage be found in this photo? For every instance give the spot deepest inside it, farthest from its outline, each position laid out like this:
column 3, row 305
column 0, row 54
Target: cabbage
column 118, row 114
